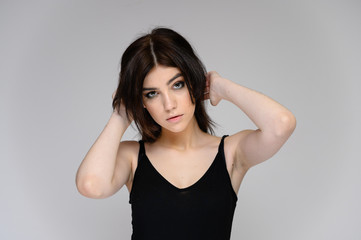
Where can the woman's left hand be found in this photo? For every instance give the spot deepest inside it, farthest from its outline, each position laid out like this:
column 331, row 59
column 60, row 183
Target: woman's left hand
column 212, row 92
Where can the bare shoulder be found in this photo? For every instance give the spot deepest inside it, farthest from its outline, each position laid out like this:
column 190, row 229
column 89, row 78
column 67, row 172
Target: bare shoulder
column 128, row 154
column 129, row 148
column 212, row 141
column 128, row 151
column 235, row 139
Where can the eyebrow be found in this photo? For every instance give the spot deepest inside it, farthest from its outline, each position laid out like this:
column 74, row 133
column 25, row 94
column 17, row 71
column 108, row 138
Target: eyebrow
column 169, row 81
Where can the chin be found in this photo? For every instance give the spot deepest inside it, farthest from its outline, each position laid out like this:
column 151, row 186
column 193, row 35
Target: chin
column 175, row 130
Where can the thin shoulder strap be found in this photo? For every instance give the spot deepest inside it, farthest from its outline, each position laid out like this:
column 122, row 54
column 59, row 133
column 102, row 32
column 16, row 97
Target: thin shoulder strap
column 221, row 144
column 221, row 149
column 141, row 150
column 141, row 146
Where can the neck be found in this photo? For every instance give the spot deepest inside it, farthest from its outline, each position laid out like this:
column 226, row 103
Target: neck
column 184, row 140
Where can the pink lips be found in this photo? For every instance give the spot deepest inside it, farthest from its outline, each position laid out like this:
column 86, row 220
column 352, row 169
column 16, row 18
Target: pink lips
column 175, row 118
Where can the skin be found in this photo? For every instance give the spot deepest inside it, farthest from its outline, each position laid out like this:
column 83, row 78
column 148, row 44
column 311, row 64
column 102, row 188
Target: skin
column 165, row 99
column 111, row 163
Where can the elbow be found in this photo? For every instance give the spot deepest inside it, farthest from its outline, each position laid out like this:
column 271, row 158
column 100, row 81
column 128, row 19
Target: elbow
column 90, row 187
column 285, row 125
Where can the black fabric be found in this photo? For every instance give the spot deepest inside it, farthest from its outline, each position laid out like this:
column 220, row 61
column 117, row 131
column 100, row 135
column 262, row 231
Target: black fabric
column 203, row 210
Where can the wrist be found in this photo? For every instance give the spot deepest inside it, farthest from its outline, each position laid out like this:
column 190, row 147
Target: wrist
column 223, row 87
column 120, row 118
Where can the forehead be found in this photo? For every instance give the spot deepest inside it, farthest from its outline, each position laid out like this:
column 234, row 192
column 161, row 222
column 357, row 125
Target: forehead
column 160, row 75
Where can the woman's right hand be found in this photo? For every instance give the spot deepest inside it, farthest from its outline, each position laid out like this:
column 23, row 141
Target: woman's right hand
column 122, row 112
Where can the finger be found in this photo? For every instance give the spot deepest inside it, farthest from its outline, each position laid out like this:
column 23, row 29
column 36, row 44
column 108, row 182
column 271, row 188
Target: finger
column 207, row 78
column 206, row 96
column 206, row 91
column 207, row 81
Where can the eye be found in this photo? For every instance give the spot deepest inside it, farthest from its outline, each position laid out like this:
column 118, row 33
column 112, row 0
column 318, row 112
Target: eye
column 178, row 85
column 150, row 94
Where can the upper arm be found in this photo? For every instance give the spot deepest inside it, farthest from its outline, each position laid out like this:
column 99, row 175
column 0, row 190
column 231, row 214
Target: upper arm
column 100, row 177
column 256, row 146
column 127, row 153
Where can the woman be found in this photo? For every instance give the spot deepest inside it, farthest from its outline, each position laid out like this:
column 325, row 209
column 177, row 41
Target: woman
column 183, row 181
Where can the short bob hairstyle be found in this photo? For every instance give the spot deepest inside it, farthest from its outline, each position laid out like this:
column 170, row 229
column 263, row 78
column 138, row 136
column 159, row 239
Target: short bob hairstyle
column 164, row 47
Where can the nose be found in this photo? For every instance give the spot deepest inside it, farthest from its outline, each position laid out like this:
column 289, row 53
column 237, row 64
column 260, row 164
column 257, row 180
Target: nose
column 169, row 102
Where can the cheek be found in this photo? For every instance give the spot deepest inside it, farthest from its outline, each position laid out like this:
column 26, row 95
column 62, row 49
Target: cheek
column 193, row 107
column 152, row 109
column 188, row 101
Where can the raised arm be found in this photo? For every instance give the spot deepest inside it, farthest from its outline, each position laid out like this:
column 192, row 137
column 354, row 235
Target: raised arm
column 275, row 123
column 107, row 165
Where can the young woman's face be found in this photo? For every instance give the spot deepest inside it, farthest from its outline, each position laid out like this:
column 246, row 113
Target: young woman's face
column 166, row 97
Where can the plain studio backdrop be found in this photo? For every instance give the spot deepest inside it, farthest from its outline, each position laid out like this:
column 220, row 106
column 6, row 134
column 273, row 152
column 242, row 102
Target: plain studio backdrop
column 59, row 62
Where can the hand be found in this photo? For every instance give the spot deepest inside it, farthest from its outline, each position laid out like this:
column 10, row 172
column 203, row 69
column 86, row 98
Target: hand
column 210, row 93
column 121, row 111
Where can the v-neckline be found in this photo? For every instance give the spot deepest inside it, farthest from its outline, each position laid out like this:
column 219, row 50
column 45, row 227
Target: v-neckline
column 193, row 184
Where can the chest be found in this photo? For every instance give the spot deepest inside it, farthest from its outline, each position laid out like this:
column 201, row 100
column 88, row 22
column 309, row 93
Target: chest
column 182, row 169
column 200, row 210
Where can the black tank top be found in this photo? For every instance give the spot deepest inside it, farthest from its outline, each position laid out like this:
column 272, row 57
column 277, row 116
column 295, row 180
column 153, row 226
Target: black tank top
column 203, row 210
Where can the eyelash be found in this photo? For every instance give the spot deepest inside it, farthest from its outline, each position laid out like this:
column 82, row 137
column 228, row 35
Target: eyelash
column 152, row 94
column 148, row 95
column 181, row 84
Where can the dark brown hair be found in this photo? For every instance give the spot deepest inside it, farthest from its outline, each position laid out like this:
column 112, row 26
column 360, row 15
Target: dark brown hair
column 164, row 47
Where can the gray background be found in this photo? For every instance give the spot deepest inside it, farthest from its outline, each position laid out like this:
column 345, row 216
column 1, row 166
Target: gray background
column 59, row 65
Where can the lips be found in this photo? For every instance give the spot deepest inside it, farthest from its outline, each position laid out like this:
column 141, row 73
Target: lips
column 175, row 118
